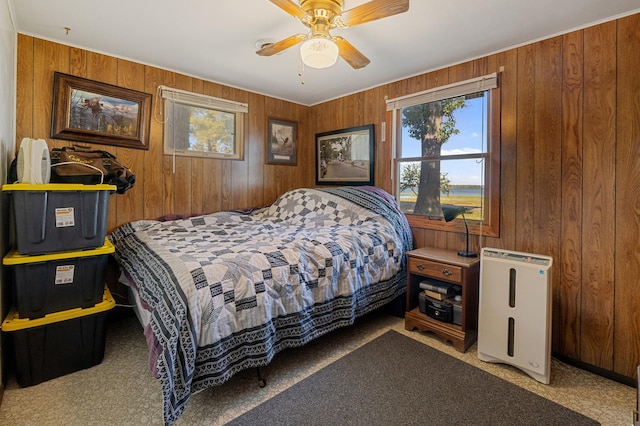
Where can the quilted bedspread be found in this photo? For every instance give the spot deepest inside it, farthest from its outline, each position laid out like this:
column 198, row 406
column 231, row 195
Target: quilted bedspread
column 229, row 290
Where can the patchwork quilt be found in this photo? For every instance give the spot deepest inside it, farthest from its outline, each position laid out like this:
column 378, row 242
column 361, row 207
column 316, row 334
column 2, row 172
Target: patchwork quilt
column 229, row 290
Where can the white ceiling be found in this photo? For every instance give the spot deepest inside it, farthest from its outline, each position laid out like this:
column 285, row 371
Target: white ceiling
column 216, row 40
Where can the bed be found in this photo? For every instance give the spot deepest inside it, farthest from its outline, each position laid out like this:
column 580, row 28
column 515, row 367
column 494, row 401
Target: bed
column 224, row 292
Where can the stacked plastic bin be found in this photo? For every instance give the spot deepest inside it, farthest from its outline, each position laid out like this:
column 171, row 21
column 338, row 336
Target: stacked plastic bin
column 58, row 321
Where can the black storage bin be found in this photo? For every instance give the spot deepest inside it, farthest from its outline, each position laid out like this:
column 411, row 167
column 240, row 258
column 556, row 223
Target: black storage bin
column 59, row 217
column 59, row 343
column 56, row 282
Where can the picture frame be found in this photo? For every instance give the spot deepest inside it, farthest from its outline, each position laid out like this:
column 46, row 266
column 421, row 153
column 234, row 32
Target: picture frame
column 93, row 112
column 345, row 157
column 282, row 142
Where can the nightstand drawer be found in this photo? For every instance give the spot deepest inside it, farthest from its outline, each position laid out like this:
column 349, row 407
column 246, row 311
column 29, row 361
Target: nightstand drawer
column 441, row 271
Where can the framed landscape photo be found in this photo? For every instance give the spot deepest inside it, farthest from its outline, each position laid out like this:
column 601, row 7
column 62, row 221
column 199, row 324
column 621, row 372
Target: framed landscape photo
column 345, row 157
column 282, row 142
column 93, row 112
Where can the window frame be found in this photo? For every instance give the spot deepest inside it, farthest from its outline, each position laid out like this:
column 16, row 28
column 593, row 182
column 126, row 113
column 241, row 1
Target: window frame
column 182, row 97
column 490, row 225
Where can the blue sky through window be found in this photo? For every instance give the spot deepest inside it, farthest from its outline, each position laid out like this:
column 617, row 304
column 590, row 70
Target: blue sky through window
column 471, row 122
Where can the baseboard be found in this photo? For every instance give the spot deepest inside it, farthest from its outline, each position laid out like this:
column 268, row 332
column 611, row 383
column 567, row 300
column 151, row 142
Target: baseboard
column 629, row 381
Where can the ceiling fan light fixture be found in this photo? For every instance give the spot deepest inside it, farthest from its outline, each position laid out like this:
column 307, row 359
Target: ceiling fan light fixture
column 319, row 52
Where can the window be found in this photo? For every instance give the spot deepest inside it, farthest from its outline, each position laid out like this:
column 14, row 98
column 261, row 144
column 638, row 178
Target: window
column 447, row 143
column 202, row 126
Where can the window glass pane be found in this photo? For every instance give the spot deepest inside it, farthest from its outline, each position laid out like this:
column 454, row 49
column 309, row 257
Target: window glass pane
column 461, row 122
column 463, row 185
column 203, row 130
column 460, row 183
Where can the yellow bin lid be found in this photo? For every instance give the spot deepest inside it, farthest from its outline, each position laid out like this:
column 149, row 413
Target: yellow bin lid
column 15, row 258
column 57, row 187
column 14, row 323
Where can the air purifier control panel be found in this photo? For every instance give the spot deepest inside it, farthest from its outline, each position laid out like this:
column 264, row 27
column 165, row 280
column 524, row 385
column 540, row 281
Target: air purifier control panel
column 517, row 257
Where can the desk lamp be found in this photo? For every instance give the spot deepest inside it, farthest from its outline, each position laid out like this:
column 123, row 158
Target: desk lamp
column 451, row 212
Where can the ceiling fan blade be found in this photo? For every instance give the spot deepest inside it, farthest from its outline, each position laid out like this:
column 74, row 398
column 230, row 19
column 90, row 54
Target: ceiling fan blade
column 290, row 7
column 351, row 54
column 375, row 9
column 277, row 47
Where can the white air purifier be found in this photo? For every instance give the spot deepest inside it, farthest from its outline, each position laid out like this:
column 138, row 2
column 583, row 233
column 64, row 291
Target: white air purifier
column 514, row 312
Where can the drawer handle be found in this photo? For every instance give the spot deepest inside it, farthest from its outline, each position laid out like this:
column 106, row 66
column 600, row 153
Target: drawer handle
column 421, row 267
column 446, row 272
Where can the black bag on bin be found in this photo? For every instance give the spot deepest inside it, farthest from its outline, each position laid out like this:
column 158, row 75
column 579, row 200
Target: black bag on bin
column 74, row 164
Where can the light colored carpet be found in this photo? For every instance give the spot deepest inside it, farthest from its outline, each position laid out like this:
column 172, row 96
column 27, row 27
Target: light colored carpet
column 120, row 391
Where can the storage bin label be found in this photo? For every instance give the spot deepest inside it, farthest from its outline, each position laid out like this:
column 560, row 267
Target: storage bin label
column 64, row 274
column 65, row 217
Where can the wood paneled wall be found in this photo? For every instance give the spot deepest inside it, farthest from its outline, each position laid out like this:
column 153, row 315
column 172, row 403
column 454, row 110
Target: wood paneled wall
column 570, row 164
column 570, row 176
column 198, row 185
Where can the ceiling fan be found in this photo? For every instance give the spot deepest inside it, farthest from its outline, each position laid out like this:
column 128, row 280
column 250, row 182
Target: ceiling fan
column 320, row 49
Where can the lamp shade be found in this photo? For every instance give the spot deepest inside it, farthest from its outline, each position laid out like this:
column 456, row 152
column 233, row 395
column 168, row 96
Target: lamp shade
column 319, row 52
column 451, row 212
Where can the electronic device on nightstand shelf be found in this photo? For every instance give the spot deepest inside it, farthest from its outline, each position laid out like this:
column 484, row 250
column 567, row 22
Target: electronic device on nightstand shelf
column 439, row 302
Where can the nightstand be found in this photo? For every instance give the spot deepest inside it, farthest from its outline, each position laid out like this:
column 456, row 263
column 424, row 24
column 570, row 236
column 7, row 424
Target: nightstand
column 445, row 266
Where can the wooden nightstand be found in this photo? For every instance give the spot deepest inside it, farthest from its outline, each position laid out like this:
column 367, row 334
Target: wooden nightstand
column 447, row 266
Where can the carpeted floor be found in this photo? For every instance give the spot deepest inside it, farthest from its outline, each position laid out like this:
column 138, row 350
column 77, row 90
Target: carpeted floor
column 120, row 391
column 396, row 380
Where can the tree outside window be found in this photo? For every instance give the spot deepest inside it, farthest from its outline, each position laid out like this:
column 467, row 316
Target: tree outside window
column 197, row 125
column 203, row 130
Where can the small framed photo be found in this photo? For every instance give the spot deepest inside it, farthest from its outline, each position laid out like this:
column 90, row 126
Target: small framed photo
column 282, row 142
column 345, row 157
column 90, row 111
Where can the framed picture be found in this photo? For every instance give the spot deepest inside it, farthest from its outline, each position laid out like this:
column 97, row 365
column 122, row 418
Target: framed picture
column 345, row 157
column 282, row 142
column 89, row 111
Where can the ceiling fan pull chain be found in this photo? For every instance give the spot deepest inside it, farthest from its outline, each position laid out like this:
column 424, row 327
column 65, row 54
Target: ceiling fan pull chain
column 301, row 72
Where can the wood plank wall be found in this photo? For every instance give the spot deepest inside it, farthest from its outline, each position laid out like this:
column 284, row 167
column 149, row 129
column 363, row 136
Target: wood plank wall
column 570, row 176
column 198, row 185
column 570, row 164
